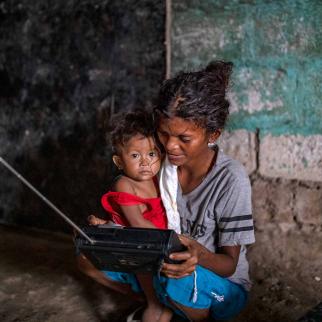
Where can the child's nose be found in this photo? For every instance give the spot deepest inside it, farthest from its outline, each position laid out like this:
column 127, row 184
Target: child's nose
column 144, row 162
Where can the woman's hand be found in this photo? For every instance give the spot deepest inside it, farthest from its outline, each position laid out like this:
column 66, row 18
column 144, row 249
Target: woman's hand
column 189, row 258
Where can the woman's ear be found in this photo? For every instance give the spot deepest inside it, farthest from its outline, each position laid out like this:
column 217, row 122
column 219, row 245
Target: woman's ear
column 117, row 161
column 213, row 137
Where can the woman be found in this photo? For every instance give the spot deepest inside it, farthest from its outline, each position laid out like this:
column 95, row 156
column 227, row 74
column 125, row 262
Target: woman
column 213, row 200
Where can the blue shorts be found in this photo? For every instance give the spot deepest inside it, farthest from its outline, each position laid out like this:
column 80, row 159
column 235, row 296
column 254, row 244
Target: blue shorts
column 201, row 290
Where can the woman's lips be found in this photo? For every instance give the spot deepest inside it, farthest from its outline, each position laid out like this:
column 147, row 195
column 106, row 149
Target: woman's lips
column 175, row 157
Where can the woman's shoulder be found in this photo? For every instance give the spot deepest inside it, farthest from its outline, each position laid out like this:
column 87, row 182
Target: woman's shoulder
column 232, row 168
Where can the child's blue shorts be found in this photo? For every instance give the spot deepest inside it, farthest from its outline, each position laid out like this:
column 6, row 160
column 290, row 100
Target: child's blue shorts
column 201, row 290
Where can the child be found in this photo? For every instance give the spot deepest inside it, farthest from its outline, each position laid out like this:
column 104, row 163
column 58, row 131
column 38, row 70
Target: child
column 135, row 199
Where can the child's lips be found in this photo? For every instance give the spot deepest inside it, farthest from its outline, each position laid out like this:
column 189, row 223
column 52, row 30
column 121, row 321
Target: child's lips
column 146, row 172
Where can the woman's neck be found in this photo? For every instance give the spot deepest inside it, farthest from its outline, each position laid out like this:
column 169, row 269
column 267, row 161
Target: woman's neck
column 192, row 174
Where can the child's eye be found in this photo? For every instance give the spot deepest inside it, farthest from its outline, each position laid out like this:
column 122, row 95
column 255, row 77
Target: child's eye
column 152, row 154
column 134, row 155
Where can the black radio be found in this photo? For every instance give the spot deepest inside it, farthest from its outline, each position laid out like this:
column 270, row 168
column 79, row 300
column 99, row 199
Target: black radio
column 128, row 249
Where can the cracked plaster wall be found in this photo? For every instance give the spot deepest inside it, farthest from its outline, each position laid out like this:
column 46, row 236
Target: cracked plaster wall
column 64, row 67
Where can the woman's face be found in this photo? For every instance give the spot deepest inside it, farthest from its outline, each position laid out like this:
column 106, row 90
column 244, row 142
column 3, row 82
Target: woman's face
column 182, row 139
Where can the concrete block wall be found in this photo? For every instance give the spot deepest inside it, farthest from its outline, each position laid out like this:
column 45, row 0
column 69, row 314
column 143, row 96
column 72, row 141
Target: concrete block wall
column 275, row 126
column 242, row 145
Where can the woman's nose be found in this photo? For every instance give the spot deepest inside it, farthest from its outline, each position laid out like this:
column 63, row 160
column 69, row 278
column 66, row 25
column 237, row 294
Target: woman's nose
column 171, row 144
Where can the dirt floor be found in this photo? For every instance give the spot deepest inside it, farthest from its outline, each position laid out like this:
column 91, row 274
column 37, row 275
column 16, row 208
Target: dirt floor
column 40, row 282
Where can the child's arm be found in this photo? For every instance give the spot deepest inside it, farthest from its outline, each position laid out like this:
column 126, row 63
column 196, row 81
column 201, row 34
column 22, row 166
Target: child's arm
column 133, row 214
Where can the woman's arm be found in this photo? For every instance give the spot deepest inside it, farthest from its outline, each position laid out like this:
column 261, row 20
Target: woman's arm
column 223, row 263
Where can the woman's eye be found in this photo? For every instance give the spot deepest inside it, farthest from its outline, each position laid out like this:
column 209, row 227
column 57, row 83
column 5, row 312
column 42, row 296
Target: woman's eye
column 184, row 138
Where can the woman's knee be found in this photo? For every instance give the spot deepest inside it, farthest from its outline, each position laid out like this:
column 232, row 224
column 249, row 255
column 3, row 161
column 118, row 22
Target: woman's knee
column 84, row 265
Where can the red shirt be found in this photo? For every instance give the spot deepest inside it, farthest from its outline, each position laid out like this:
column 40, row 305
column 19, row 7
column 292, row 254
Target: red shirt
column 155, row 210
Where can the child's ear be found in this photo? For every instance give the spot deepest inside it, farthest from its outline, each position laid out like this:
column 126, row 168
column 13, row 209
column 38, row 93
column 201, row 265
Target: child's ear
column 117, row 161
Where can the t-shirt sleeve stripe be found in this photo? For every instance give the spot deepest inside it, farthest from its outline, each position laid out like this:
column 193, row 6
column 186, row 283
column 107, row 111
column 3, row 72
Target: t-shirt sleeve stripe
column 236, row 218
column 237, row 229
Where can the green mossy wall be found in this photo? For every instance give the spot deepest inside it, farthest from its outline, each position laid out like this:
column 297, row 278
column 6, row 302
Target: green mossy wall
column 276, row 47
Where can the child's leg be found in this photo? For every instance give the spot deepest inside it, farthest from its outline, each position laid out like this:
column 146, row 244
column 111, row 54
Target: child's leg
column 155, row 311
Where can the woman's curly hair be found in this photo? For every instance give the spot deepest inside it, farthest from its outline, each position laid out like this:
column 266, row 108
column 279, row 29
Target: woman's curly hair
column 198, row 96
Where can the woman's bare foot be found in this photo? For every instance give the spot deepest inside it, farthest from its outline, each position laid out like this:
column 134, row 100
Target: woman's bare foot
column 166, row 315
column 156, row 313
column 152, row 313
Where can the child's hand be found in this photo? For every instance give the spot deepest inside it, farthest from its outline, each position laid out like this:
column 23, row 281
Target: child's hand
column 93, row 220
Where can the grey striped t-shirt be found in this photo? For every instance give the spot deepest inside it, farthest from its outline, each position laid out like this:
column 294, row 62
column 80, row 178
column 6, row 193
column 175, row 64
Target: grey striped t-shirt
column 219, row 213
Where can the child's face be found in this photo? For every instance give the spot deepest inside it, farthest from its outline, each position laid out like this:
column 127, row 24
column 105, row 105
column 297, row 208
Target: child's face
column 139, row 158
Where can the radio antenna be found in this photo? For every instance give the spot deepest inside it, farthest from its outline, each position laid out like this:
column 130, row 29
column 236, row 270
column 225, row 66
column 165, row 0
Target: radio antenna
column 43, row 198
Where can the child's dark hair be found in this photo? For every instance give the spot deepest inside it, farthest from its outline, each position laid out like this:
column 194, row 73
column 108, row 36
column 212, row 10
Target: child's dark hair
column 123, row 126
column 198, row 96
